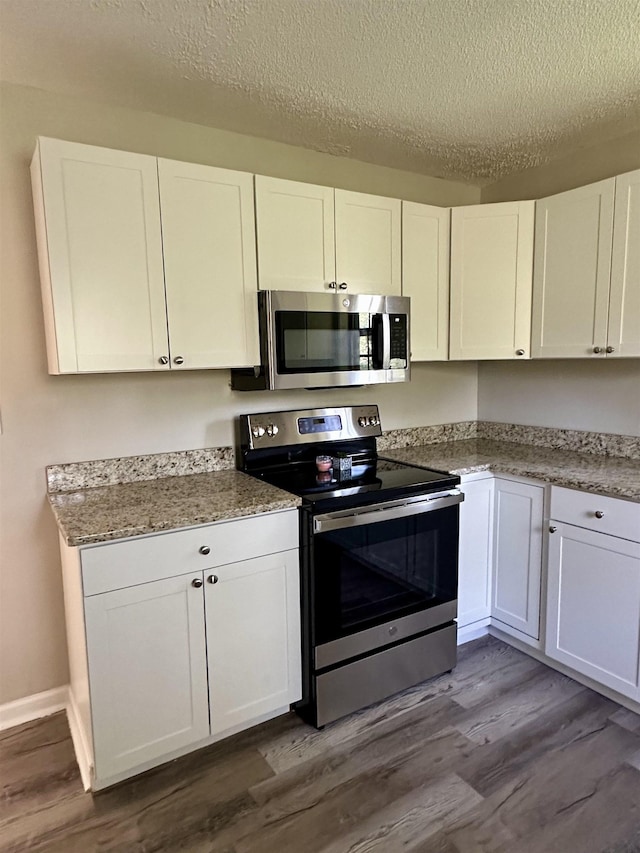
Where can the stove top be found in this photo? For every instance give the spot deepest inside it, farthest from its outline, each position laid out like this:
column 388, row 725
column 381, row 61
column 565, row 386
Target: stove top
column 374, row 474
column 281, row 448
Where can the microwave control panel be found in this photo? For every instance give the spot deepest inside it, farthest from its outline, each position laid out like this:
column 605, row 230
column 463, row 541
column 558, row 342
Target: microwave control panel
column 399, row 343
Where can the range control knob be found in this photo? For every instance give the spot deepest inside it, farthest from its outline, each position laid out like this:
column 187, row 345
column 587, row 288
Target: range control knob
column 363, row 422
column 257, row 431
column 272, row 430
column 373, row 420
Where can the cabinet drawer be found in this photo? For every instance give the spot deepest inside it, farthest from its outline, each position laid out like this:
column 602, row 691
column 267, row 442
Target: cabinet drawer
column 116, row 565
column 619, row 517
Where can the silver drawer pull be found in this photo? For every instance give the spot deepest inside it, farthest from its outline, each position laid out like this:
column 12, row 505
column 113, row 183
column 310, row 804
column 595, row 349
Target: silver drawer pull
column 204, row 549
column 598, row 513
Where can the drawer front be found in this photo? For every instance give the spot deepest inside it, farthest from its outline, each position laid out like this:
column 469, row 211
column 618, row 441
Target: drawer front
column 614, row 516
column 116, row 565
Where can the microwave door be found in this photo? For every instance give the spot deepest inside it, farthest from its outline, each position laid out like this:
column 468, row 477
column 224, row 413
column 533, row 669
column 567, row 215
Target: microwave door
column 381, row 341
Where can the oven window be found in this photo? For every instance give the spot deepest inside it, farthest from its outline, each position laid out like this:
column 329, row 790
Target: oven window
column 365, row 576
column 317, row 341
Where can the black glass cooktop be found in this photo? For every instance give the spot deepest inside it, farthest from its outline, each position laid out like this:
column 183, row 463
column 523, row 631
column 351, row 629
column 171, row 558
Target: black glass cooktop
column 368, row 475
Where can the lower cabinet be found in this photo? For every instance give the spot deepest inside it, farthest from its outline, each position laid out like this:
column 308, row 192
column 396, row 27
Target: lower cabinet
column 517, row 556
column 593, row 602
column 253, row 638
column 148, row 672
column 182, row 660
column 475, row 552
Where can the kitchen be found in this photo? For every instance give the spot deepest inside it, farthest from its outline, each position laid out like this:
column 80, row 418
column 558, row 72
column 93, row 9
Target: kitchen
column 57, row 419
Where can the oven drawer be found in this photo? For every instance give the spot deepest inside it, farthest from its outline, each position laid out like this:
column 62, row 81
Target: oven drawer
column 380, row 675
column 116, row 565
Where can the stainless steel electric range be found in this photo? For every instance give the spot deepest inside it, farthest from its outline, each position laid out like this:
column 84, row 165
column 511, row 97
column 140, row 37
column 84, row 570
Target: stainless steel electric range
column 378, row 555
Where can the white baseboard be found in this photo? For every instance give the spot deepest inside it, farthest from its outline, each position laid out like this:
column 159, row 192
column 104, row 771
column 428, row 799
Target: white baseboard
column 32, row 707
column 473, row 631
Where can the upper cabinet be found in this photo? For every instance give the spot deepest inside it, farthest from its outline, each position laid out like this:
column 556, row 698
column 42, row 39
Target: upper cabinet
column 104, row 251
column 314, row 238
column 100, row 255
column 623, row 338
column 210, row 265
column 491, row 280
column 425, row 278
column 587, row 271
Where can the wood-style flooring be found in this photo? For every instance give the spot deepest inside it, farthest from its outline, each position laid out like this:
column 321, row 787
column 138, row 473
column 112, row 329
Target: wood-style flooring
column 503, row 755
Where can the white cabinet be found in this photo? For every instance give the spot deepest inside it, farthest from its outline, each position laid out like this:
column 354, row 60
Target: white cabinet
column 188, row 636
column 368, row 248
column 623, row 336
column 110, row 237
column 425, row 278
column 148, row 672
column 314, row 238
column 517, row 557
column 295, row 234
column 593, row 606
column 210, row 265
column 253, row 637
column 100, row 255
column 475, row 552
column 587, row 271
column 491, row 280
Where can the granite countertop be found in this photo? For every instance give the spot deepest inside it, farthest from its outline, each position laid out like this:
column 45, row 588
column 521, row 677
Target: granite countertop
column 103, row 513
column 605, row 475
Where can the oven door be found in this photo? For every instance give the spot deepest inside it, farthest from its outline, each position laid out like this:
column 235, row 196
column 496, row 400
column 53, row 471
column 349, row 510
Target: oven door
column 383, row 573
column 317, row 340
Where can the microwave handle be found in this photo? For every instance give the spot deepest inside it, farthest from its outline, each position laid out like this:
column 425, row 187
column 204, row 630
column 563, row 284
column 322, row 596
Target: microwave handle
column 381, row 330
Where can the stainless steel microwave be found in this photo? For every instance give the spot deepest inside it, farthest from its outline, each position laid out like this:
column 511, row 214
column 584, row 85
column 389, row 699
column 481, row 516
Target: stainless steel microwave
column 320, row 340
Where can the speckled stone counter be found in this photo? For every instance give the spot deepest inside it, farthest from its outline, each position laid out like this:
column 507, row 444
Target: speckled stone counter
column 605, row 475
column 102, row 513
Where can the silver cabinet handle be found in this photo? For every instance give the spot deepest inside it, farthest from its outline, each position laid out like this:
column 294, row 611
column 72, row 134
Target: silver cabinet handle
column 597, row 350
column 552, row 528
column 164, row 359
column 343, row 286
column 196, row 582
column 611, row 349
column 204, row 549
column 519, row 352
column 598, row 513
column 178, row 360
column 332, row 285
column 213, row 578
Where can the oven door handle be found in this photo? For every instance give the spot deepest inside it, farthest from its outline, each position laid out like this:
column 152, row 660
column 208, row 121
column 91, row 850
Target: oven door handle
column 385, row 511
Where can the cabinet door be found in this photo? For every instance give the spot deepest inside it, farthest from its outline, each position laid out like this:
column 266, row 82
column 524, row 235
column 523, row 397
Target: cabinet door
column 425, row 278
column 572, row 271
column 295, row 232
column 253, row 639
column 368, row 250
column 475, row 552
column 100, row 253
column 593, row 607
column 210, row 265
column 147, row 669
column 517, row 560
column 491, row 280
column 624, row 308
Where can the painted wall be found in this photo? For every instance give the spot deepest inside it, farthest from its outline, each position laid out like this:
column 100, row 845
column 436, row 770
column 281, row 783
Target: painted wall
column 599, row 395
column 49, row 419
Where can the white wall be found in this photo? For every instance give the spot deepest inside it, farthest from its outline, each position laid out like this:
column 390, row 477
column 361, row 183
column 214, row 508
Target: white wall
column 50, row 419
column 596, row 395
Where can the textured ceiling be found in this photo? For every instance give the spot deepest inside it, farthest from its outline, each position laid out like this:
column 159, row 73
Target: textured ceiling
column 464, row 89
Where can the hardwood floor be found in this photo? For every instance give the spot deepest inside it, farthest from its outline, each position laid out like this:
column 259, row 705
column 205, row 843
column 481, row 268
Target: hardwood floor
column 501, row 756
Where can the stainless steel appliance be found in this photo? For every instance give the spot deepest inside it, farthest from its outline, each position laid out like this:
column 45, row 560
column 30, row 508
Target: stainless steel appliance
column 317, row 340
column 379, row 556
